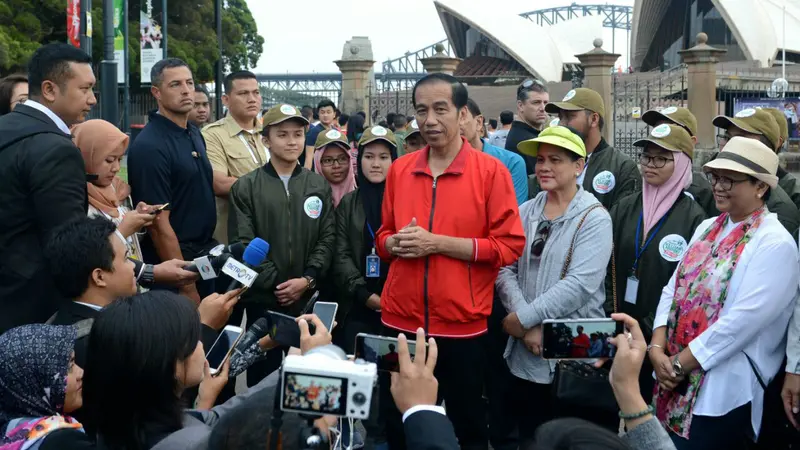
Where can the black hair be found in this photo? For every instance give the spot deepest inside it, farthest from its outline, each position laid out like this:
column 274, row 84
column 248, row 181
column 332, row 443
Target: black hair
column 7, row 86
column 336, row 113
column 533, row 85
column 409, row 119
column 157, row 72
column 75, row 249
column 459, row 91
column 201, row 89
column 326, row 103
column 362, row 114
column 493, row 123
column 575, row 434
column 51, row 62
column 767, row 194
column 390, row 117
column 383, row 124
column 307, row 110
column 238, row 75
column 506, row 117
column 136, row 342
column 343, row 118
column 400, row 121
column 355, row 126
column 473, row 107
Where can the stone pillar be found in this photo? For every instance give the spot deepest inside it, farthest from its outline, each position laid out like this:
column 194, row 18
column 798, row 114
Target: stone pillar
column 702, row 62
column 598, row 66
column 440, row 62
column 356, row 67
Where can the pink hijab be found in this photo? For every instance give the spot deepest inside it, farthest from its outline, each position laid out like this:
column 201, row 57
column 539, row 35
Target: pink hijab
column 657, row 200
column 349, row 183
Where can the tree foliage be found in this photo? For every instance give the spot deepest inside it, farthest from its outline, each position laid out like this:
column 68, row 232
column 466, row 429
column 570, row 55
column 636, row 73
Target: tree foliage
column 191, row 33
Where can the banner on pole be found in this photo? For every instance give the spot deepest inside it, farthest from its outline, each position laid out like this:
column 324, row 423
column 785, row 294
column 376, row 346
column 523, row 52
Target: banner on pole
column 120, row 52
column 74, row 22
column 150, row 32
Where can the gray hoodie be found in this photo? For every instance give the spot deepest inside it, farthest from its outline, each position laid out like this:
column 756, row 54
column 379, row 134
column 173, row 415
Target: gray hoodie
column 532, row 287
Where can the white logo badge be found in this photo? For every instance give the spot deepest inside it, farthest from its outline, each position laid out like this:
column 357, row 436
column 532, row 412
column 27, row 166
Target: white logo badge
column 554, row 122
column 378, row 131
column 288, row 110
column 669, row 110
column 569, row 95
column 313, row 207
column 747, row 112
column 660, row 131
column 672, row 247
column 239, row 272
column 333, row 134
column 604, row 182
column 414, row 124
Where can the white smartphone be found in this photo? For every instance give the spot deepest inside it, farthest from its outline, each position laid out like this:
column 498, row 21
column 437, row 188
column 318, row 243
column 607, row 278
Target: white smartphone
column 222, row 348
column 326, row 311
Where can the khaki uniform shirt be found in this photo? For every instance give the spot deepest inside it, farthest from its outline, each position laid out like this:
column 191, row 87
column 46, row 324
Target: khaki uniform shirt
column 234, row 152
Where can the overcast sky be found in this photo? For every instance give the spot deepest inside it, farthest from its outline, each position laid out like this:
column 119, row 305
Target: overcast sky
column 308, row 35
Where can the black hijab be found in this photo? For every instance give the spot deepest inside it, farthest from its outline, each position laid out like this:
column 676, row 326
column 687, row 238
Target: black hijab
column 372, row 193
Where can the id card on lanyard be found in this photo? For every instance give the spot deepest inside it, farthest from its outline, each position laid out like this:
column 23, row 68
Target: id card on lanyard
column 632, row 287
column 253, row 152
column 373, row 268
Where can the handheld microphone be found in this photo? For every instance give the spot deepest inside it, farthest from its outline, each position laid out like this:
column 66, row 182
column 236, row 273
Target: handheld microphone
column 256, row 331
column 218, row 255
column 255, row 253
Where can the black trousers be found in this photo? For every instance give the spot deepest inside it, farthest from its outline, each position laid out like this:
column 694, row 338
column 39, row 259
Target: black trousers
column 503, row 433
column 731, row 432
column 460, row 370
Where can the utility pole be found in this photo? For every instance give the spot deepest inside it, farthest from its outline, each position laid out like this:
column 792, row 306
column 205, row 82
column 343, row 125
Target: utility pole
column 126, row 92
column 109, row 108
column 218, row 67
column 86, row 28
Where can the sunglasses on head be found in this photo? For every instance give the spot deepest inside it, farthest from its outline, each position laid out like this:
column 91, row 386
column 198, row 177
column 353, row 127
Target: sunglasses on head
column 542, row 232
column 528, row 84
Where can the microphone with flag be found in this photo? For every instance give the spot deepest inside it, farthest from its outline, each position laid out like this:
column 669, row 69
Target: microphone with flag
column 255, row 254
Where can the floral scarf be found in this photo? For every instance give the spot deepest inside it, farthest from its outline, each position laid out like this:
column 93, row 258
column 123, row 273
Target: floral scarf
column 701, row 287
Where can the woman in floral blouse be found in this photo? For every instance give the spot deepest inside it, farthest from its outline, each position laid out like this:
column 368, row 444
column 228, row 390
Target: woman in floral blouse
column 719, row 329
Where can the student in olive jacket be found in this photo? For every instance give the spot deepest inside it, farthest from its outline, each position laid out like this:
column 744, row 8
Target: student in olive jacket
column 358, row 217
column 292, row 209
column 652, row 229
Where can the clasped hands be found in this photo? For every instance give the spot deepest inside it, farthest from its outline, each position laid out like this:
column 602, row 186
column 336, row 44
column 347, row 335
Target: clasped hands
column 532, row 338
column 412, row 241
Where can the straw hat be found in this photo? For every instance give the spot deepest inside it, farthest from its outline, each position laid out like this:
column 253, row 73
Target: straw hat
column 747, row 156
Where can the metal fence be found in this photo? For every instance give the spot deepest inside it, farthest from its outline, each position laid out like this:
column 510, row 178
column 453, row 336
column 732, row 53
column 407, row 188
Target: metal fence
column 394, row 97
column 141, row 103
column 633, row 94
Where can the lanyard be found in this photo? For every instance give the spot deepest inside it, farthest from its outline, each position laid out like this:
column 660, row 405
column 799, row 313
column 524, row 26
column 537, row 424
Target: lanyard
column 640, row 249
column 250, row 149
column 371, row 233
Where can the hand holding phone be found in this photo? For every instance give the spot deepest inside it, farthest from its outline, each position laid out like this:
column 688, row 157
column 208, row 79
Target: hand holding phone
column 326, row 311
column 579, row 338
column 222, row 348
column 158, row 209
column 381, row 350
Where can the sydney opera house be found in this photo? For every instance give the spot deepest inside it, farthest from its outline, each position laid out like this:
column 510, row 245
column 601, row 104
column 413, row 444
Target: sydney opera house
column 496, row 43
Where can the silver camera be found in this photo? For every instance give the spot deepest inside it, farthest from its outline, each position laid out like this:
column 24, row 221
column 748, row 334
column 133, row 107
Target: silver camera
column 324, row 382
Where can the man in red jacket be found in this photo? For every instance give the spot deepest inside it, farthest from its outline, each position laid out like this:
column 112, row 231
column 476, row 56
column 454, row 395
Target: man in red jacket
column 450, row 221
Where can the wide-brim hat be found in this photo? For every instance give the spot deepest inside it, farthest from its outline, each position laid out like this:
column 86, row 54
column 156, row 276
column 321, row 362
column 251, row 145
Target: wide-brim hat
column 557, row 136
column 749, row 157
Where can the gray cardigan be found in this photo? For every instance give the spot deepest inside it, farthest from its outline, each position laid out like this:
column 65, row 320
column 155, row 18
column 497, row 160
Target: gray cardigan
column 650, row 435
column 536, row 295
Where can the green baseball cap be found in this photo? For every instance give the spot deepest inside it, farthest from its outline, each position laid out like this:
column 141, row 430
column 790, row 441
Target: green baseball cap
column 673, row 138
column 672, row 114
column 555, row 135
column 754, row 121
column 331, row 137
column 281, row 113
column 379, row 133
column 780, row 118
column 413, row 127
column 577, row 100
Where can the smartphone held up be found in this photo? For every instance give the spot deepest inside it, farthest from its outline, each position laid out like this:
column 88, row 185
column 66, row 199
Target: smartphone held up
column 579, row 338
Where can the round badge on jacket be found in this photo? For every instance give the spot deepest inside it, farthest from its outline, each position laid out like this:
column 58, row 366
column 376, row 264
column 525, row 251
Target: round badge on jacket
column 672, row 247
column 604, row 182
column 313, row 207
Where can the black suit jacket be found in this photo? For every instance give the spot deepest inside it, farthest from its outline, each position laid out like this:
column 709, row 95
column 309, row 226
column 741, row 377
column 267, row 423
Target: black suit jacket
column 71, row 313
column 429, row 430
column 43, row 186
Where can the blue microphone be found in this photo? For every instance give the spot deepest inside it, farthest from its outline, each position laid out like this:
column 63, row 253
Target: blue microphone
column 255, row 254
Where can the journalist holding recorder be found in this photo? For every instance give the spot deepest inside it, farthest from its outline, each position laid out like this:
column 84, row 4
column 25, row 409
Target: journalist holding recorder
column 560, row 274
column 719, row 328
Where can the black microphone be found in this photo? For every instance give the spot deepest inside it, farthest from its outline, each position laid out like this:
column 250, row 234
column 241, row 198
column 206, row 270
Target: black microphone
column 255, row 332
column 219, row 255
column 255, row 253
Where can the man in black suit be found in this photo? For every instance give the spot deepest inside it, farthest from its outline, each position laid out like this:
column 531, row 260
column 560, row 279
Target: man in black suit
column 43, row 178
column 414, row 390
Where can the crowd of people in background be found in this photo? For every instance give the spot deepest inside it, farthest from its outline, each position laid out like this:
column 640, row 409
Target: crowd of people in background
column 469, row 231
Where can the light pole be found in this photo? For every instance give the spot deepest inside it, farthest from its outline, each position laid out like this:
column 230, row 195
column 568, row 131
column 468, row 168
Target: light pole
column 218, row 66
column 109, row 107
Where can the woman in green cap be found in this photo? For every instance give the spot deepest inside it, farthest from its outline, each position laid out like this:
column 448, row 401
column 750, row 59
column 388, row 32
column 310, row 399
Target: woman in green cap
column 559, row 276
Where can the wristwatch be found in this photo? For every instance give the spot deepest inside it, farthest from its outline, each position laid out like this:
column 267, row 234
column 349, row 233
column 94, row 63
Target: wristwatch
column 677, row 367
column 148, row 276
column 312, row 283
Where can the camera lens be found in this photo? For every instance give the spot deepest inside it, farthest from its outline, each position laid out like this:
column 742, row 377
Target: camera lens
column 359, row 398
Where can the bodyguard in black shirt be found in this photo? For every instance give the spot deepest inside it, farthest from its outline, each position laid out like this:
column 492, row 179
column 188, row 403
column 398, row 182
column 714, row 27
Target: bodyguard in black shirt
column 167, row 163
column 532, row 97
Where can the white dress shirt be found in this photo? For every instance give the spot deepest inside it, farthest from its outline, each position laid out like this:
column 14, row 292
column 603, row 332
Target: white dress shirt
column 414, row 409
column 44, row 109
column 753, row 319
column 793, row 341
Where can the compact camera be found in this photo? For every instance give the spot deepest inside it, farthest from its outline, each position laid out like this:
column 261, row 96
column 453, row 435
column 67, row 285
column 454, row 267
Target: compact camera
column 323, row 382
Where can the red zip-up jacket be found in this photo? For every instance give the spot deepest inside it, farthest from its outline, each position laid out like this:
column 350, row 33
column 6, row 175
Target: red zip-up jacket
column 474, row 198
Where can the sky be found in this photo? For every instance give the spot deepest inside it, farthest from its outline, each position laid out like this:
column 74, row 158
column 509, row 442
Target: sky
column 308, row 35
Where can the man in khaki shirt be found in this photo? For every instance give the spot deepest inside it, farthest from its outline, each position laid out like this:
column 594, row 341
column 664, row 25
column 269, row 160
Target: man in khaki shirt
column 234, row 144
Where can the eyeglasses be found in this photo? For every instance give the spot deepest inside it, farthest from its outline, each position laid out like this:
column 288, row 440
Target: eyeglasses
column 341, row 160
column 725, row 183
column 653, row 161
column 542, row 232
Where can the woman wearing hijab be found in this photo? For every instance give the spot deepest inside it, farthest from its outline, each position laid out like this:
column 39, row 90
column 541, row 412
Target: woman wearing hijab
column 40, row 386
column 103, row 146
column 359, row 274
column 334, row 161
column 652, row 228
column 719, row 331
